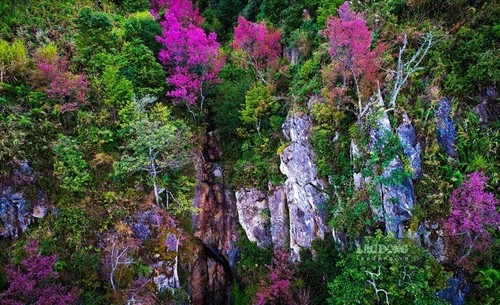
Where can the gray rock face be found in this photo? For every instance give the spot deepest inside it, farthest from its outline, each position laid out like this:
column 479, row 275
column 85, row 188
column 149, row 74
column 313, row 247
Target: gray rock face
column 446, row 133
column 264, row 217
column 457, row 290
column 431, row 237
column 488, row 109
column 289, row 216
column 17, row 210
column 397, row 199
column 305, row 192
column 13, row 213
column 253, row 215
column 396, row 192
column 280, row 222
column 411, row 147
column 146, row 225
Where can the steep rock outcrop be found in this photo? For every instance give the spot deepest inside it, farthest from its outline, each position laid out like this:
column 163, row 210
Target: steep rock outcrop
column 411, row 148
column 280, row 223
column 20, row 200
column 156, row 224
column 446, row 133
column 305, row 192
column 395, row 190
column 253, row 215
column 457, row 291
column 488, row 108
column 264, row 216
column 397, row 197
column 213, row 260
column 431, row 237
column 291, row 215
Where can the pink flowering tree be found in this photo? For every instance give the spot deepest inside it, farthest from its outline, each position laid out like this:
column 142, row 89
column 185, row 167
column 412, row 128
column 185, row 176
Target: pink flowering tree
column 34, row 281
column 191, row 57
column 473, row 210
column 258, row 46
column 183, row 9
column 54, row 78
column 276, row 288
column 353, row 59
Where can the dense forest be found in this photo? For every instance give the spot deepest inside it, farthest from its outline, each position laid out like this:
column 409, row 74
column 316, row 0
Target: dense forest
column 249, row 152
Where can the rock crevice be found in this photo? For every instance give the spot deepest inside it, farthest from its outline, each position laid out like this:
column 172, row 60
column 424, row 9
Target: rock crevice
column 292, row 215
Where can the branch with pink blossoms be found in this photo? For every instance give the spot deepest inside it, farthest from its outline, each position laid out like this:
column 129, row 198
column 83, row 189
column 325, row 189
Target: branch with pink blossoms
column 35, row 282
column 260, row 47
column 473, row 210
column 58, row 83
column 191, row 58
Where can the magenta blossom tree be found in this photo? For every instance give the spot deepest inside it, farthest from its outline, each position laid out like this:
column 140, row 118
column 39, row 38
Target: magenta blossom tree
column 353, row 59
column 59, row 83
column 182, row 9
column 33, row 281
column 259, row 46
column 473, row 210
column 191, row 57
column 276, row 288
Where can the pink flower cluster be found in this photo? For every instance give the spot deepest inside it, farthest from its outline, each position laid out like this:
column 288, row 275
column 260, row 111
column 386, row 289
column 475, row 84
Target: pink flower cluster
column 182, row 9
column 190, row 56
column 260, row 45
column 472, row 210
column 34, row 282
column 276, row 289
column 350, row 42
column 60, row 84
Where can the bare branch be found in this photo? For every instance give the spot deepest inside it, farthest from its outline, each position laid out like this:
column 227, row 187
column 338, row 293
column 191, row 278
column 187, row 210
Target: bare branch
column 372, row 282
column 405, row 70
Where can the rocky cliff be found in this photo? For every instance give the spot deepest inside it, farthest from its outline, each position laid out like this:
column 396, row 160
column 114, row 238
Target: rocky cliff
column 394, row 188
column 214, row 257
column 20, row 200
column 292, row 215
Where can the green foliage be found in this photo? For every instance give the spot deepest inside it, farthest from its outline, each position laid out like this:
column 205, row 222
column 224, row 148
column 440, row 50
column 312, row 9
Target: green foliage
column 289, row 14
column 323, row 145
column 158, row 147
column 477, row 146
column 70, row 166
column 72, row 227
column 95, row 34
column 307, row 81
column 13, row 61
column 143, row 27
column 471, row 60
column 251, row 268
column 258, row 164
column 118, row 93
column 230, row 95
column 142, row 69
column 259, row 102
column 135, row 5
column 84, row 263
column 404, row 271
column 316, row 271
column 327, row 9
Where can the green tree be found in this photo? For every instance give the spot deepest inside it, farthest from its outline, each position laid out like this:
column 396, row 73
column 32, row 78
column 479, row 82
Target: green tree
column 259, row 102
column 385, row 270
column 158, row 144
column 118, row 93
column 95, row 34
column 70, row 165
column 13, row 60
column 142, row 69
column 144, row 27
